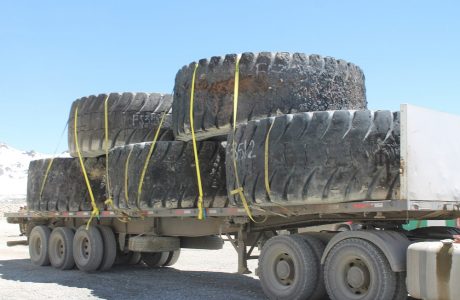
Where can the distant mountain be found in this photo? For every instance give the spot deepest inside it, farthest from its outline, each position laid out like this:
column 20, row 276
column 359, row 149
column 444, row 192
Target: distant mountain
column 13, row 171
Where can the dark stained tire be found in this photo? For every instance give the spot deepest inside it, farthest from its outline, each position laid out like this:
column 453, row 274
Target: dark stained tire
column 318, row 249
column 288, row 268
column 39, row 245
column 155, row 259
column 270, row 84
column 319, row 157
column 132, row 118
column 127, row 258
column 110, row 247
column 88, row 248
column 65, row 188
column 61, row 248
column 401, row 288
column 170, row 180
column 357, row 269
column 173, row 257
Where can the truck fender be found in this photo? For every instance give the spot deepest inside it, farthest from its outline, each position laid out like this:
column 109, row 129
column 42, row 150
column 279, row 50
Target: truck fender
column 393, row 245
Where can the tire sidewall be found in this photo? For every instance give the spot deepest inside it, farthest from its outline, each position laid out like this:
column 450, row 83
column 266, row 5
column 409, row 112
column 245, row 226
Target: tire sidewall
column 39, row 237
column 94, row 259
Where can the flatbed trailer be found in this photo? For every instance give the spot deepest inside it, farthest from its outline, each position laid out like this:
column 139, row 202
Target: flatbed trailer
column 292, row 266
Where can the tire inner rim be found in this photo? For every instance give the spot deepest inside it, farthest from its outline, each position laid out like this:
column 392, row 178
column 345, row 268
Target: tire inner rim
column 357, row 276
column 85, row 248
column 284, row 269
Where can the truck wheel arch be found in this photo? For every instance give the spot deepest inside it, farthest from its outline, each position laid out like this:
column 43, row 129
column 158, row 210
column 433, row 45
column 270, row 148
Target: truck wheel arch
column 393, row 245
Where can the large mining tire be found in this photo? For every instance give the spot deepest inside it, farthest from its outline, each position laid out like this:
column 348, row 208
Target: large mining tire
column 60, row 248
column 39, row 245
column 318, row 157
column 132, row 118
column 270, row 84
column 357, row 269
column 288, row 268
column 65, row 188
column 170, row 179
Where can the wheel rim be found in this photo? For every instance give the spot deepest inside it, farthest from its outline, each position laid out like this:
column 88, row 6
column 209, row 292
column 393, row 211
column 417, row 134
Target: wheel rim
column 355, row 275
column 85, row 248
column 284, row 270
column 37, row 248
column 60, row 249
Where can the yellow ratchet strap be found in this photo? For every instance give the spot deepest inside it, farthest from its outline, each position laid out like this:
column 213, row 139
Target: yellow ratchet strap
column 201, row 215
column 239, row 189
column 95, row 212
column 126, row 176
column 48, row 168
column 147, row 161
column 109, row 200
column 267, row 140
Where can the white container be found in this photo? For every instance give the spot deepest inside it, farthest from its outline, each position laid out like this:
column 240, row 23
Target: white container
column 433, row 270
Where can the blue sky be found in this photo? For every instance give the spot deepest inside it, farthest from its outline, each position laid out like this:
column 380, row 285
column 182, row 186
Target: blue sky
column 53, row 52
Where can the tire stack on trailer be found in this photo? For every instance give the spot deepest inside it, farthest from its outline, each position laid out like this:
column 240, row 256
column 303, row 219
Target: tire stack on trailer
column 260, row 129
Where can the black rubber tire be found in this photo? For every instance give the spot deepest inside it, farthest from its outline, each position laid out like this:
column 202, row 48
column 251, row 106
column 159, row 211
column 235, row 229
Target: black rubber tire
column 270, row 84
column 39, row 245
column 173, row 257
column 170, row 180
column 378, row 281
column 319, row 157
column 88, row 248
column 61, row 248
column 65, row 188
column 127, row 258
column 155, row 259
column 132, row 118
column 401, row 288
column 299, row 262
column 110, row 247
column 318, row 247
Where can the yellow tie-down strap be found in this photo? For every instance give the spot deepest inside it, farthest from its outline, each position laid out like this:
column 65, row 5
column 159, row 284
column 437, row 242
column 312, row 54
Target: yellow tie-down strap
column 201, row 214
column 109, row 200
column 239, row 190
column 146, row 164
column 95, row 212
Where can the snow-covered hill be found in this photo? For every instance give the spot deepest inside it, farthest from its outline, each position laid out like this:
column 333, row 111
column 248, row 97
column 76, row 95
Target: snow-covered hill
column 13, row 172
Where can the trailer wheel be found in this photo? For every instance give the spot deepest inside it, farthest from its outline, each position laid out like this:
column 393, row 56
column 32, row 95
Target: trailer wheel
column 127, row 258
column 88, row 248
column 318, row 249
column 60, row 248
column 39, row 245
column 173, row 257
column 288, row 268
column 155, row 259
column 357, row 269
column 110, row 248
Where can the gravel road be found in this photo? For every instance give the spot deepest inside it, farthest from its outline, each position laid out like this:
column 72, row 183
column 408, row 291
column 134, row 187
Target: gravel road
column 199, row 274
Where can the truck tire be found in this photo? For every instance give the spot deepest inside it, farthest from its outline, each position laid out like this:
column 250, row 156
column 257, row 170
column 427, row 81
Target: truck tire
column 173, row 257
column 61, row 248
column 127, row 258
column 288, row 268
column 317, row 157
column 357, row 269
column 318, row 249
column 39, row 245
column 65, row 188
column 132, row 118
column 270, row 83
column 110, row 247
column 88, row 248
column 170, row 180
column 155, row 259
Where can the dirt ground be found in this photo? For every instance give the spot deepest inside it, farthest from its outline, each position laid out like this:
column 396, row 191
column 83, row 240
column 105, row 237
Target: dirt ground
column 199, row 274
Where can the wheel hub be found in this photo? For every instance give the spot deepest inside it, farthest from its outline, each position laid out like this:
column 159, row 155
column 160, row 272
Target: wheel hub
column 357, row 276
column 284, row 269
